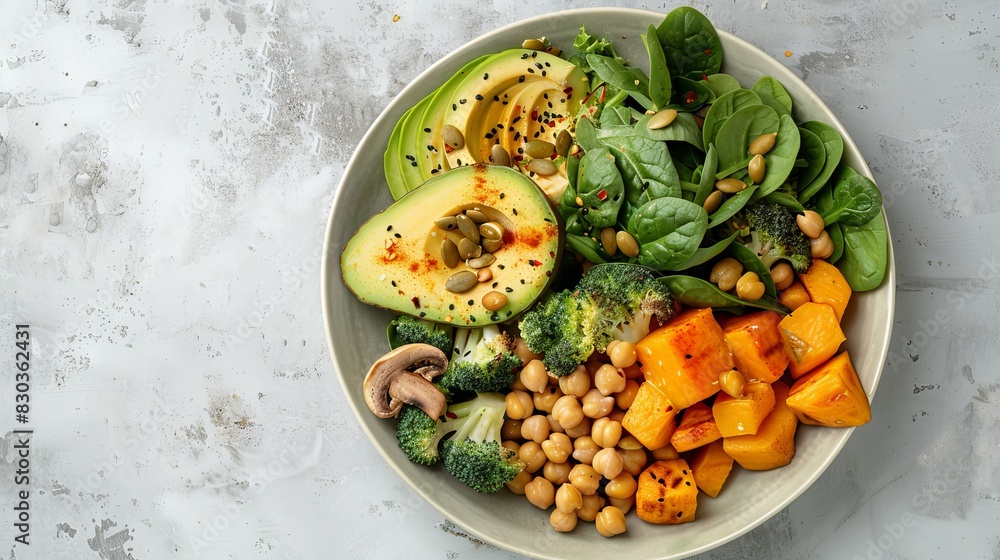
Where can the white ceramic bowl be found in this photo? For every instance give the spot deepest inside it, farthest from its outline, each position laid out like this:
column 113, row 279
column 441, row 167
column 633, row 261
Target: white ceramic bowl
column 356, row 333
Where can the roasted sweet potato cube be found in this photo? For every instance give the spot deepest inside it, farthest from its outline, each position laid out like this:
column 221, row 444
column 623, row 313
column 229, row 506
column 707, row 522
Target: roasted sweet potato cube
column 742, row 416
column 793, row 296
column 697, row 428
column 830, row 395
column 667, row 493
column 756, row 345
column 651, row 418
column 773, row 445
column 811, row 335
column 711, row 467
column 826, row 284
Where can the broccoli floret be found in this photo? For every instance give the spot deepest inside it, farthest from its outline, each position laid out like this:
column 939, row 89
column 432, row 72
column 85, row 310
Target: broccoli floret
column 774, row 234
column 482, row 360
column 613, row 301
column 408, row 330
column 471, row 450
column 474, row 454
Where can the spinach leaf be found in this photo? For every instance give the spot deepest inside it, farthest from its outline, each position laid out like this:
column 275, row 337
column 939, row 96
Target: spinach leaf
column 683, row 129
column 586, row 134
column 600, row 187
column 705, row 254
column 622, row 77
column 811, row 149
column 773, row 94
column 645, row 167
column 586, row 248
column 689, row 95
column 837, row 237
column 743, row 127
column 695, row 292
column 707, row 182
column 721, row 84
column 786, row 199
column 856, row 199
column 723, row 108
column 865, row 257
column 659, row 74
column 752, row 263
column 669, row 231
column 731, row 206
column 616, row 116
column 780, row 160
column 690, row 43
column 833, row 144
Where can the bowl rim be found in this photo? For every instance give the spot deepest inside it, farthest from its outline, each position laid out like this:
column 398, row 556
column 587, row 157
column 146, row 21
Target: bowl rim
column 330, row 262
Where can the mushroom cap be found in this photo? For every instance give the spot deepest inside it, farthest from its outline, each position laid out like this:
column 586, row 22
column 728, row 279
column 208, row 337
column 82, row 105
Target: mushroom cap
column 403, row 376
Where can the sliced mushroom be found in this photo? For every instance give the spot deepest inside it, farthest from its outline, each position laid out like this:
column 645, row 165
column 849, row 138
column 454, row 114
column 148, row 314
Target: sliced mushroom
column 404, row 376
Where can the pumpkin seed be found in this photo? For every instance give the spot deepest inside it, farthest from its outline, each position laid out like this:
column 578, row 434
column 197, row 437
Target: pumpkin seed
column 449, row 253
column 730, row 185
column 467, row 227
column 447, row 222
column 756, row 169
column 482, row 261
column 500, row 156
column 539, row 149
column 661, row 119
column 553, row 50
column 468, row 250
column 563, row 142
column 533, row 44
column 763, row 144
column 477, row 216
column 484, row 275
column 494, row 300
column 461, row 281
column 608, row 241
column 627, row 244
column 713, row 201
column 492, row 245
column 542, row 167
column 453, row 137
column 491, row 230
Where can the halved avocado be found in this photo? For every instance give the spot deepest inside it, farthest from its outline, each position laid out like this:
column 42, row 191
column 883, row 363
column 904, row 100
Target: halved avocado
column 394, row 260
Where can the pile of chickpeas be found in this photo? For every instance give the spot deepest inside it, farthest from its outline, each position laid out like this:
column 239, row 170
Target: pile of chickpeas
column 569, row 435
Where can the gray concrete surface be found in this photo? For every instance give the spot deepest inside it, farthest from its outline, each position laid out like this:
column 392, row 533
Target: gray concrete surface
column 166, row 169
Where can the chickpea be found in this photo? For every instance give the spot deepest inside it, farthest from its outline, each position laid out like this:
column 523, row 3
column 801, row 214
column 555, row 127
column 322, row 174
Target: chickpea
column 621, row 487
column 612, row 344
column 517, row 484
column 576, row 383
column 554, row 425
column 593, row 364
column 592, row 505
column 634, row 460
column 562, row 522
column 633, row 371
column 568, row 498
column 557, row 448
column 584, row 449
column 557, row 473
column 725, row 273
column 519, row 405
column 810, row 223
column 623, row 354
column 581, row 429
column 606, row 432
column 625, row 505
column 596, row 405
column 609, row 379
column 665, row 453
column 522, row 351
column 585, row 478
column 535, row 428
column 511, row 429
column 782, row 275
column 540, row 492
column 822, row 246
column 547, row 397
column 567, row 411
column 617, row 415
column 517, row 385
column 512, row 445
column 731, row 382
column 534, row 377
column 608, row 463
column 749, row 287
column 532, row 456
column 630, row 443
column 626, row 396
column 610, row 522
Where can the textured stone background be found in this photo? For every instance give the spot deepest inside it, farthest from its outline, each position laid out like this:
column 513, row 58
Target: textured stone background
column 166, row 170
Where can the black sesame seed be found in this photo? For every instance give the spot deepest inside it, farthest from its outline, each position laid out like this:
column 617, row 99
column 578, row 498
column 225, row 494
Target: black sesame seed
column 462, row 101
column 414, row 164
column 514, row 210
column 471, row 301
column 520, row 79
column 502, row 195
column 479, row 97
column 388, row 228
column 393, row 283
column 454, row 107
column 508, row 289
column 397, row 236
column 451, row 307
column 427, row 130
column 486, row 76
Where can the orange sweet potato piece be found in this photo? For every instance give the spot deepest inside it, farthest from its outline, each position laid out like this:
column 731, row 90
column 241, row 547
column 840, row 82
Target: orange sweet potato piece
column 773, row 445
column 831, row 395
column 793, row 296
column 666, row 493
column 684, row 357
column 711, row 467
column 756, row 345
column 737, row 417
column 651, row 418
column 811, row 335
column 826, row 284
column 697, row 428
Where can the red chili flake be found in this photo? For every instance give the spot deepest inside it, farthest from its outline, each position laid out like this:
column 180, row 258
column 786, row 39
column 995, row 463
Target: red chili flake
column 416, row 302
column 448, row 149
column 552, row 254
column 708, row 52
column 690, row 97
column 568, row 91
column 550, row 123
column 604, row 90
column 451, row 415
column 533, row 262
column 534, row 115
column 602, row 194
column 704, row 77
